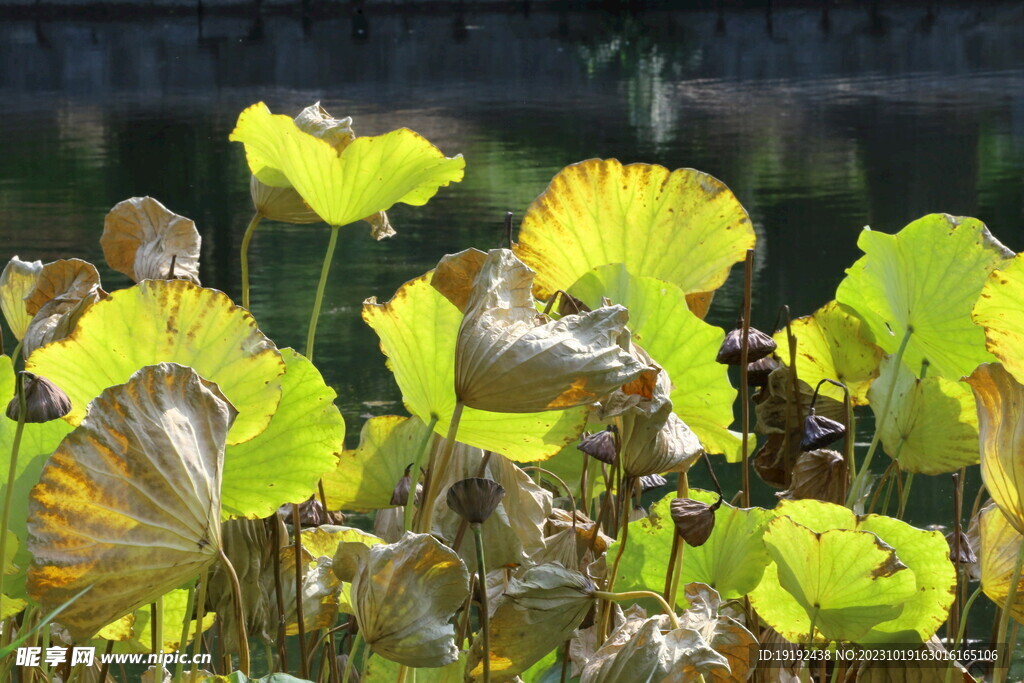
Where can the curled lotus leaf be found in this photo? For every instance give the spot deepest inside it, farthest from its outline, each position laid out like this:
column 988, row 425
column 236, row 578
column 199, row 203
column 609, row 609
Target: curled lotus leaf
column 654, row 439
column 1000, row 545
column 248, row 545
column 927, row 277
column 168, row 321
column 541, row 607
column 418, row 329
column 998, row 312
column 57, row 319
column 17, row 281
column 1000, row 401
column 509, row 361
column 455, row 275
column 682, row 226
column 830, row 345
column 63, row 292
column 369, row 175
column 129, row 503
column 725, row 635
column 932, row 426
column 142, row 238
column 404, row 595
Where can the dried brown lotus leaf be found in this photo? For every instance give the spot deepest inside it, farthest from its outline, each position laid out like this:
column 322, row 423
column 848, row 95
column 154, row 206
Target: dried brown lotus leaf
column 775, row 459
column 282, row 204
column 819, row 474
column 141, row 479
column 455, row 274
column 999, row 546
column 57, row 319
column 776, row 410
column 142, row 238
column 316, row 121
column 17, row 281
column 650, row 448
column 69, row 279
column 585, row 643
column 584, row 528
column 248, row 545
column 725, row 635
column 380, row 226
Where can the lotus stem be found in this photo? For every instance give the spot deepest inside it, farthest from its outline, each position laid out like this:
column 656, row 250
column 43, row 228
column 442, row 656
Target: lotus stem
column 321, row 286
column 156, row 630
column 421, row 454
column 905, row 494
column 963, row 625
column 485, row 617
column 297, row 528
column 17, row 350
column 12, row 475
column 197, row 645
column 958, row 512
column 565, row 487
column 1004, row 617
column 356, row 642
column 243, row 637
column 275, row 539
column 748, row 275
column 678, row 547
column 436, row 468
column 246, row 239
column 637, row 595
column 190, row 603
column 860, row 483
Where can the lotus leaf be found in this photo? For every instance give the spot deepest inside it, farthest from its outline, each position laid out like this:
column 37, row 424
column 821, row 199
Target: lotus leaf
column 678, row 341
column 418, row 330
column 925, row 553
column 1000, row 545
column 683, row 226
column 174, row 321
column 932, row 427
column 1000, row 400
column 731, row 561
column 16, row 282
column 369, row 175
column 653, row 439
column 140, row 478
column 248, row 545
column 64, row 291
column 724, row 634
column 831, row 345
column 142, row 238
column 365, row 478
column 285, row 461
column 404, row 595
column 140, row 634
column 319, row 547
column 543, row 606
column 926, row 277
column 998, row 311
column 380, row 670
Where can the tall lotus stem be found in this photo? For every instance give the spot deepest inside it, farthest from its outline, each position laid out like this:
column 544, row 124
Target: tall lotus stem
column 421, row 454
column 748, row 275
column 321, row 286
column 437, row 466
column 485, row 618
column 1004, row 618
column 156, row 612
column 243, row 637
column 246, row 239
column 190, row 603
column 297, row 527
column 358, row 641
column 197, row 645
column 12, row 474
column 675, row 563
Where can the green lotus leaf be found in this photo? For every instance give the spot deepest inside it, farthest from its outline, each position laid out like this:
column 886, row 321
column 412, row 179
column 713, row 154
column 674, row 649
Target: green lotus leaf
column 680, row 342
column 1000, row 402
column 369, row 175
column 830, row 345
column 998, row 311
column 365, row 478
column 173, row 321
column 731, row 561
column 683, row 226
column 418, row 330
column 926, row 277
column 932, row 427
column 925, row 553
column 129, row 503
column 285, row 461
column 16, row 282
column 138, row 626
column 381, row 670
column 1000, row 545
column 38, row 441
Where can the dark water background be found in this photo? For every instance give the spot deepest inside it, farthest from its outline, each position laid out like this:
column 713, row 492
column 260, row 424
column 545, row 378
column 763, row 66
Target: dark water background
column 821, row 121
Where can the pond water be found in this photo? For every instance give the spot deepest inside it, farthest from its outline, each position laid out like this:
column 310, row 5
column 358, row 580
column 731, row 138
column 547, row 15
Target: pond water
column 821, row 122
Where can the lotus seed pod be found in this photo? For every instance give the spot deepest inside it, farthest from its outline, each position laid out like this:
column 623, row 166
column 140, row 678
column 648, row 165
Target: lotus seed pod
column 759, row 370
column 694, row 520
column 966, row 552
column 652, row 481
column 820, row 431
column 44, row 400
column 759, row 345
column 475, row 498
column 600, row 445
column 400, row 496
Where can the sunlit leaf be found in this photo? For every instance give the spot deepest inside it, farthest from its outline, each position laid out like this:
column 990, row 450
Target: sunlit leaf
column 371, row 174
column 381, row 670
column 142, row 237
column 173, row 321
column 129, row 502
column 1000, row 545
column 16, row 282
column 830, row 345
column 998, row 310
column 683, row 226
column 418, row 330
column 926, row 277
column 285, row 461
column 680, row 342
column 932, row 427
column 140, row 634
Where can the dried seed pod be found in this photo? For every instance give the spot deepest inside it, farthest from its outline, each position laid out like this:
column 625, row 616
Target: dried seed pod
column 966, row 554
column 820, row 431
column 44, row 400
column 652, row 481
column 475, row 498
column 400, row 496
column 759, row 345
column 758, row 371
column 818, row 474
column 600, row 445
column 694, row 520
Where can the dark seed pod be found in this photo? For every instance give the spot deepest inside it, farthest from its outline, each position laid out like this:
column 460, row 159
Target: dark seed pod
column 44, row 400
column 475, row 498
column 966, row 555
column 600, row 445
column 694, row 520
column 652, row 481
column 759, row 345
column 820, row 431
column 758, row 371
column 400, row 496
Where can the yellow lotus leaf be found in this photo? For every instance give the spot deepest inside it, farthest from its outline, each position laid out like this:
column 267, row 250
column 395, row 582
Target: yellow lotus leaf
column 998, row 310
column 932, row 427
column 173, row 321
column 830, row 345
column 683, row 226
column 1000, row 545
column 142, row 237
column 133, row 633
column 129, row 504
column 16, row 282
column 509, row 361
column 1000, row 401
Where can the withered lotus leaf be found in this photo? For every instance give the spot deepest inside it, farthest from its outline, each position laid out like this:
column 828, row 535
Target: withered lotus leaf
column 17, row 280
column 130, row 502
column 819, row 474
column 1000, row 544
column 404, row 596
column 142, row 237
column 64, row 291
column 727, row 636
